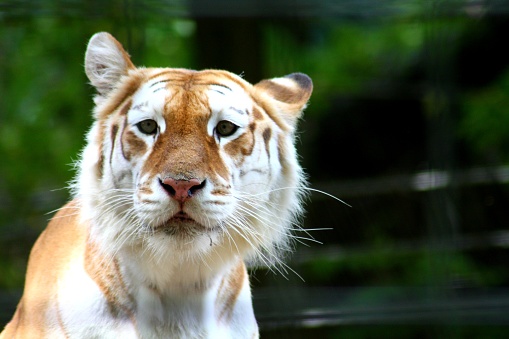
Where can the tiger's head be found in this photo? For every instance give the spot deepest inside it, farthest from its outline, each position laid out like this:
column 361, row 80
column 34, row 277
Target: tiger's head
column 190, row 165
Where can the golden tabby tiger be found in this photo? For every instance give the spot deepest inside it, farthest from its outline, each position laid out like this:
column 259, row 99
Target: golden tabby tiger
column 184, row 176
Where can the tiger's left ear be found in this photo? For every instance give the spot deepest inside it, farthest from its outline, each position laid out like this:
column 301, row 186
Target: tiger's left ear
column 106, row 62
column 290, row 95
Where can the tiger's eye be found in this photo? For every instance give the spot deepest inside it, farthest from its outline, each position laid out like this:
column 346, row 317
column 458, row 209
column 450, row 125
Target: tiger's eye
column 147, row 126
column 226, row 128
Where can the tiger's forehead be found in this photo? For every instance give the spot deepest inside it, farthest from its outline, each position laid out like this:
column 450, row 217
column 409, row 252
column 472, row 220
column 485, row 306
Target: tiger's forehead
column 219, row 89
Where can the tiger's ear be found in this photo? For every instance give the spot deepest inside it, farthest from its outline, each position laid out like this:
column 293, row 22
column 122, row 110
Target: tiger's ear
column 289, row 93
column 106, row 62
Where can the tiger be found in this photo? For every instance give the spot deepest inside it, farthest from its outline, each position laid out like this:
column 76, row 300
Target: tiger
column 186, row 177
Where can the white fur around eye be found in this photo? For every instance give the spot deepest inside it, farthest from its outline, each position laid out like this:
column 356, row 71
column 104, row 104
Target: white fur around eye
column 229, row 106
column 148, row 103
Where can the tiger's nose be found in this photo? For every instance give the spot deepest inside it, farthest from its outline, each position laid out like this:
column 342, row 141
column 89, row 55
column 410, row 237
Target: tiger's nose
column 182, row 190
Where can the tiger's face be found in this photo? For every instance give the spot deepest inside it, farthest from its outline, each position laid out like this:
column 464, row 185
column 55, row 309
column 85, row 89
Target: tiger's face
column 202, row 163
column 192, row 145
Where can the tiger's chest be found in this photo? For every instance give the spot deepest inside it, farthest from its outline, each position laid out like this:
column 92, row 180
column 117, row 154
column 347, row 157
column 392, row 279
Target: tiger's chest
column 89, row 306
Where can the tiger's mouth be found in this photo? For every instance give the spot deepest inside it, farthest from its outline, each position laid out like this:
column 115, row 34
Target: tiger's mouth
column 181, row 217
column 182, row 224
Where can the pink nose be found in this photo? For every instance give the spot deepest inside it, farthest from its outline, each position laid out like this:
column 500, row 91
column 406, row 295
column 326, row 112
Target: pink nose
column 182, row 190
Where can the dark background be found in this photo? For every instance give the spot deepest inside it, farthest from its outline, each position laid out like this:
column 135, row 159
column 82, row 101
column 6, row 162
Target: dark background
column 408, row 124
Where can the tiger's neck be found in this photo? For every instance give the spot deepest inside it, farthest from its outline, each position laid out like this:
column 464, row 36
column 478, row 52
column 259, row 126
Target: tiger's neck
column 129, row 279
column 134, row 267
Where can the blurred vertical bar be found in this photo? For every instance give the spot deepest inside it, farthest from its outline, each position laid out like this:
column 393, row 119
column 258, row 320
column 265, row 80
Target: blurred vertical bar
column 227, row 42
column 440, row 106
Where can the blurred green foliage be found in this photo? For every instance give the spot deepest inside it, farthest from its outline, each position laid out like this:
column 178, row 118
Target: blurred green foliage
column 41, row 103
column 484, row 124
column 345, row 58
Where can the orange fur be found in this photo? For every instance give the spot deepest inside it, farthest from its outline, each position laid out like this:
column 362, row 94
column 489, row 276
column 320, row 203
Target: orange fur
column 61, row 244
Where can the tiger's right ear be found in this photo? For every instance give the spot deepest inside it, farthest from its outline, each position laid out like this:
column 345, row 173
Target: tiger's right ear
column 106, row 62
column 289, row 95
